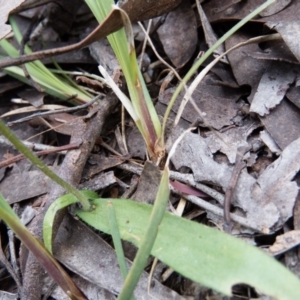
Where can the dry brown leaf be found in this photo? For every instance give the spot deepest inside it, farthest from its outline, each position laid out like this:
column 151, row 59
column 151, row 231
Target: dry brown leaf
column 273, row 86
column 217, row 103
column 285, row 241
column 283, row 123
column 178, row 34
column 100, row 267
column 22, row 186
column 290, row 32
column 6, row 7
column 148, row 184
column 274, row 8
column 246, row 69
column 34, row 97
column 229, row 141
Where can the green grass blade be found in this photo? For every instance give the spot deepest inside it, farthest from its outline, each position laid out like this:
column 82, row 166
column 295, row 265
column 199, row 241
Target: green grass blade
column 148, row 240
column 38, row 163
column 52, row 84
column 116, row 239
column 39, row 251
column 152, row 223
column 139, row 94
column 205, row 255
column 58, row 204
column 195, row 67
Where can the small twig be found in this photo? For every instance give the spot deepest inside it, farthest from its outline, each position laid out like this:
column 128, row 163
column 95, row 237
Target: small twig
column 129, row 192
column 40, row 153
column 121, row 140
column 188, row 178
column 32, row 146
column 238, row 167
column 12, row 250
column 220, row 212
column 157, row 55
column 109, row 148
column 71, row 172
column 9, row 268
column 58, row 111
column 145, row 44
column 123, row 129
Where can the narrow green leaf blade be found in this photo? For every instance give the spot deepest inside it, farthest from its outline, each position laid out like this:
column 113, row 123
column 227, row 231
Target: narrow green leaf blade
column 39, row 251
column 117, row 239
column 203, row 254
column 149, row 237
column 58, row 204
column 148, row 120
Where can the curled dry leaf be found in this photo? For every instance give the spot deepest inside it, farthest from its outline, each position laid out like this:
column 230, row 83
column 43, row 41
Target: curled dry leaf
column 240, row 61
column 276, row 184
column 229, row 141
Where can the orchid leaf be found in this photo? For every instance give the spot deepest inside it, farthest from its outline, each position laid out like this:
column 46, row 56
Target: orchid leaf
column 202, row 254
column 58, row 204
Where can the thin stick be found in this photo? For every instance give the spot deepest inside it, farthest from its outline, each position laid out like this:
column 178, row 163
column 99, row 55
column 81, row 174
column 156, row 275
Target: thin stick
column 157, row 55
column 144, row 43
column 200, row 76
column 40, row 153
column 53, row 112
column 123, row 129
column 239, row 166
column 198, row 201
column 9, row 268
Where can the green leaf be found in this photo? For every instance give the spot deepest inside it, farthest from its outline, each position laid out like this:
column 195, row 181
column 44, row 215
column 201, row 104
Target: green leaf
column 39, row 163
column 148, row 240
column 39, row 251
column 52, row 84
column 117, row 240
column 147, row 119
column 203, row 254
column 58, row 204
column 198, row 63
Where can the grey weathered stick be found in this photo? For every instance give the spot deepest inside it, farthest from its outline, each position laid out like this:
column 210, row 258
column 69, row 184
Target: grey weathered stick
column 70, row 170
column 238, row 167
column 53, row 112
column 40, row 153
